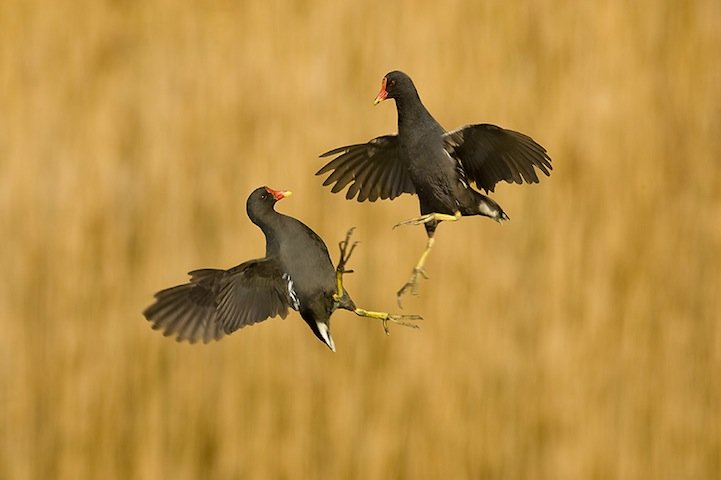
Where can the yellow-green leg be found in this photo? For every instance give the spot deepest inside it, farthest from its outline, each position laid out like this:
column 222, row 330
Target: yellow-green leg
column 430, row 217
column 345, row 254
column 389, row 317
column 385, row 317
column 418, row 271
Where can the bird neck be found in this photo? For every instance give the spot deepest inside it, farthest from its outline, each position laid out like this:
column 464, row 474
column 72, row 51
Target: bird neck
column 412, row 113
column 267, row 220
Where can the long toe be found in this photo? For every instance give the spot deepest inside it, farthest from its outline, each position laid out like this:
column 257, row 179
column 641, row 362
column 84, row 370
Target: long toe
column 402, row 291
column 415, row 221
column 402, row 320
column 411, row 284
column 345, row 251
column 415, row 279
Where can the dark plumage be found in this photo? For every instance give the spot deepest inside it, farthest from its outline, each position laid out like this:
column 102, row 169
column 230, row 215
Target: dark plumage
column 436, row 165
column 296, row 273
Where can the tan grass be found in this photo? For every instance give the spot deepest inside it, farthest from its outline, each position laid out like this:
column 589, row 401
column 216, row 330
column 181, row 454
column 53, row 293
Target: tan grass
column 580, row 340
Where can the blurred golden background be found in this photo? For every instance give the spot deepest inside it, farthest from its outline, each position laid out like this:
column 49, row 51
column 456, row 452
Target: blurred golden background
column 580, row 340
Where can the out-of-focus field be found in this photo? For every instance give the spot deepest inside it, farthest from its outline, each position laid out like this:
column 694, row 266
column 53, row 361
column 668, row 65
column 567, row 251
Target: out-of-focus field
column 581, row 340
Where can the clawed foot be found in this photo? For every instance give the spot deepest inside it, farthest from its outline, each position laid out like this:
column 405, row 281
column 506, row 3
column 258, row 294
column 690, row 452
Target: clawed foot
column 345, row 252
column 429, row 217
column 416, row 221
column 411, row 284
column 400, row 320
column 385, row 317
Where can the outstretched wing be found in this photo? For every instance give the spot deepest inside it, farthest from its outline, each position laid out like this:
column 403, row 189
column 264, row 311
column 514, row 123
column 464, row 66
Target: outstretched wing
column 373, row 170
column 218, row 302
column 490, row 154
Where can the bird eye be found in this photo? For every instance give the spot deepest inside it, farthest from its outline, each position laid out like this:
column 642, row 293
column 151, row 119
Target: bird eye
column 393, row 83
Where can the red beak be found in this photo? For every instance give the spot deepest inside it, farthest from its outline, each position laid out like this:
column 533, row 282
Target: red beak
column 383, row 94
column 279, row 194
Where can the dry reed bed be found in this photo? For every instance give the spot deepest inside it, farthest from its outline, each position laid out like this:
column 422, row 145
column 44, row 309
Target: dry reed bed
column 580, row 340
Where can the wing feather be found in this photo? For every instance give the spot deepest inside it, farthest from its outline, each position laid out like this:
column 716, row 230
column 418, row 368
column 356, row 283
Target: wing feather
column 372, row 169
column 490, row 154
column 217, row 302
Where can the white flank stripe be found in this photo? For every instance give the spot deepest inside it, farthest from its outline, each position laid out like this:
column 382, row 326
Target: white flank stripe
column 295, row 302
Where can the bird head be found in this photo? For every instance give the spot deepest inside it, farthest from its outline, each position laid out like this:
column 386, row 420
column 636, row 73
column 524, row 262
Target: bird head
column 263, row 199
column 394, row 85
column 277, row 194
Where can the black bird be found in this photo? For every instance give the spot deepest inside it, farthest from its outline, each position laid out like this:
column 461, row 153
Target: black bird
column 436, row 165
column 296, row 272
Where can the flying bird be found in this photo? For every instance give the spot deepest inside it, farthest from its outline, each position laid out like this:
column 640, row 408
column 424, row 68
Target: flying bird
column 295, row 273
column 436, row 165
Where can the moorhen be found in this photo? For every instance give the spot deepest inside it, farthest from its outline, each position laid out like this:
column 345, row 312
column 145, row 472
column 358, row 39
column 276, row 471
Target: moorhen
column 296, row 272
column 436, row 165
